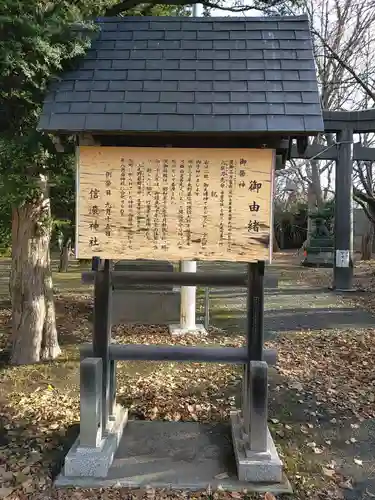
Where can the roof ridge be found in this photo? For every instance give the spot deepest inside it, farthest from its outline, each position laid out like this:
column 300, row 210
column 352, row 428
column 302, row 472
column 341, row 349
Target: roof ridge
column 229, row 19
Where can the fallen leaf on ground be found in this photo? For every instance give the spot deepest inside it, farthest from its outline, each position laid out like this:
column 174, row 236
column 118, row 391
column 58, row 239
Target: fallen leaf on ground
column 222, row 475
column 5, row 492
column 269, row 496
column 328, row 472
column 346, row 485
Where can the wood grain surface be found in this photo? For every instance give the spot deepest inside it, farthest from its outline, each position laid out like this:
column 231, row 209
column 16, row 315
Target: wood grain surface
column 176, row 204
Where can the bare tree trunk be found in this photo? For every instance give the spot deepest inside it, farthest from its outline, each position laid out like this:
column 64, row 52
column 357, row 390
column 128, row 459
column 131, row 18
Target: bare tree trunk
column 366, row 246
column 316, row 184
column 64, row 256
column 34, row 335
column 367, row 242
column 50, row 344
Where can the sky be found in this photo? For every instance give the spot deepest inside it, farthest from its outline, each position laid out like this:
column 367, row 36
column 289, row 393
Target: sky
column 225, row 13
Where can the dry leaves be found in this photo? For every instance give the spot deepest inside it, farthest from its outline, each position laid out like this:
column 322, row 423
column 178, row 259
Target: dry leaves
column 330, row 366
column 269, row 496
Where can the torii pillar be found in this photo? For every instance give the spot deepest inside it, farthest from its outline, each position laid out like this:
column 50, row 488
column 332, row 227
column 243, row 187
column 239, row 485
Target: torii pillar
column 343, row 258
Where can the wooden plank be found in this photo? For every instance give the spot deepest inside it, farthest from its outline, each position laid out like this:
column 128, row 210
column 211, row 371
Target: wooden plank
column 359, row 122
column 317, row 151
column 174, row 203
column 362, row 153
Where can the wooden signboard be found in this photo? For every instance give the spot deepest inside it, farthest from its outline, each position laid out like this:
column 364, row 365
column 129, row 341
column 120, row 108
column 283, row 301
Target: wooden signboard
column 175, row 204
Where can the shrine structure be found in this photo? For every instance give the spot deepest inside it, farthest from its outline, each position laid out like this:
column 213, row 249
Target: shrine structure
column 179, row 125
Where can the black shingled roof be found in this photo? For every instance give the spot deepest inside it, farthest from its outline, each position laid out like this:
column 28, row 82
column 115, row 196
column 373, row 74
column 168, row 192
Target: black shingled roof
column 167, row 74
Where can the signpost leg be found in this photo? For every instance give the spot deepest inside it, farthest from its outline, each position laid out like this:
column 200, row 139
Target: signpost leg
column 343, row 267
column 206, row 308
column 188, row 298
column 102, row 332
column 255, row 376
column 188, row 303
column 256, row 310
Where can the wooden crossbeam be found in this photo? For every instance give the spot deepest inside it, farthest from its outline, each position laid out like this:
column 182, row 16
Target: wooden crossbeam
column 320, row 152
column 359, row 122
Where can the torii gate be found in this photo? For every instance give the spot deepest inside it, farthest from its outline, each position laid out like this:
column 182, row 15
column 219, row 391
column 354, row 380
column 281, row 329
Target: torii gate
column 344, row 124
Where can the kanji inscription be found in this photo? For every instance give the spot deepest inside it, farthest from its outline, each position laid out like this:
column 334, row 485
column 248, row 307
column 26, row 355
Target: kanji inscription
column 172, row 203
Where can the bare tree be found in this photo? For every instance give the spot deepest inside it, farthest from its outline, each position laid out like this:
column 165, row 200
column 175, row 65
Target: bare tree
column 343, row 39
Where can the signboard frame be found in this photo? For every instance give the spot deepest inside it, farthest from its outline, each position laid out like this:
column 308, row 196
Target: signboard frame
column 249, row 154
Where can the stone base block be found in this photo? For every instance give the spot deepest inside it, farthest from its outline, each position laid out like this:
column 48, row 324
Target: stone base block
column 95, row 462
column 176, row 330
column 258, row 467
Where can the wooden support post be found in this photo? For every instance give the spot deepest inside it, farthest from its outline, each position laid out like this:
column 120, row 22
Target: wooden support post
column 258, row 396
column 255, row 310
column 112, row 389
column 102, row 331
column 91, row 402
column 255, row 314
column 343, row 269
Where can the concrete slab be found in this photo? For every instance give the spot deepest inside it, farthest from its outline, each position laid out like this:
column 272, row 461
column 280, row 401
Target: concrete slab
column 175, row 455
column 176, row 330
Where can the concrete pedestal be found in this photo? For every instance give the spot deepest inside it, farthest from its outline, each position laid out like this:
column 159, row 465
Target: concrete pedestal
column 254, row 467
column 176, row 330
column 87, row 461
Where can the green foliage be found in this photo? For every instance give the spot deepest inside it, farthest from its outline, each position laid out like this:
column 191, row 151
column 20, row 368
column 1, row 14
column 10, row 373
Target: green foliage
column 39, row 40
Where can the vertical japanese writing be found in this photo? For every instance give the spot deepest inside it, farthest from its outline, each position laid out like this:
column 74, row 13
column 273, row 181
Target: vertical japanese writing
column 242, row 174
column 148, row 200
column 130, row 203
column 178, row 203
column 122, row 187
column 94, row 213
column 157, row 205
column 198, row 164
column 223, row 174
column 230, row 203
column 164, row 227
column 180, row 216
column 254, row 186
column 140, row 169
column 189, row 203
column 108, row 204
column 173, row 183
column 205, row 204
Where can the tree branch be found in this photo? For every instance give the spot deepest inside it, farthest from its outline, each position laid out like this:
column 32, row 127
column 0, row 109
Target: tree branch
column 344, row 64
column 364, row 208
column 363, row 196
column 126, row 5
